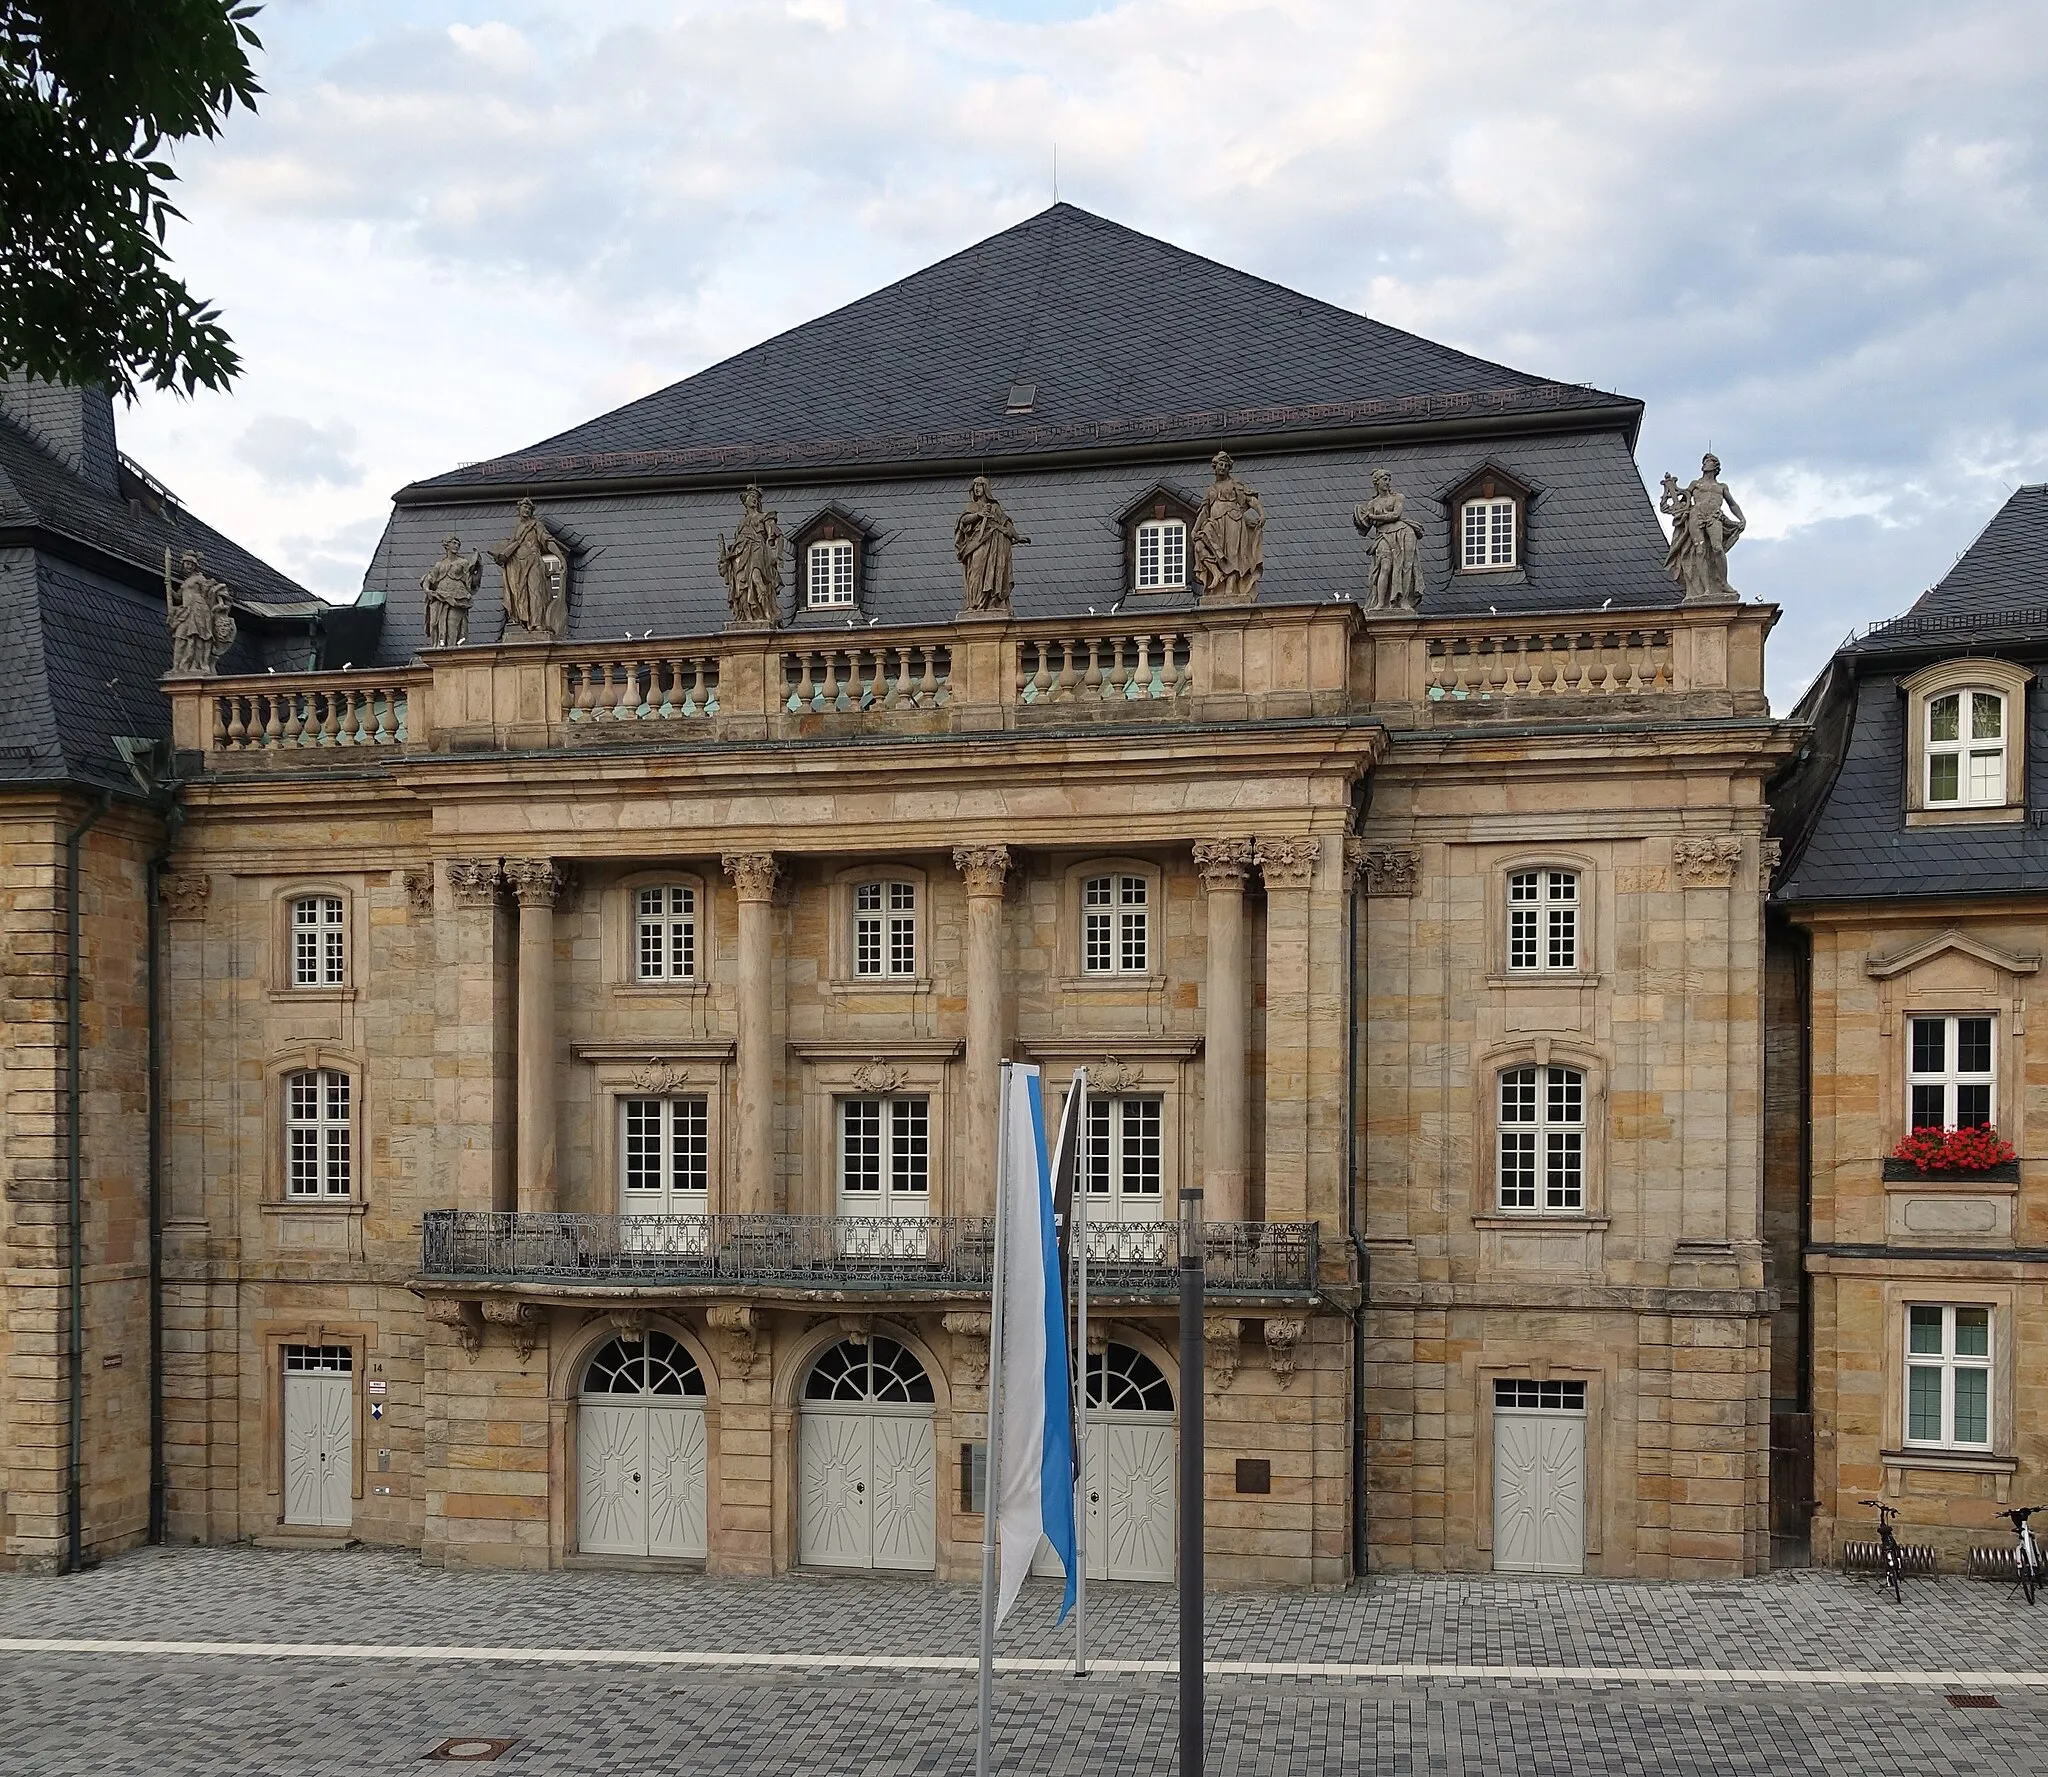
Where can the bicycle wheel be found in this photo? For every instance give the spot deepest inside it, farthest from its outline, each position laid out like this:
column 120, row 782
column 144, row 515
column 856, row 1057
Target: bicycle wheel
column 2026, row 1568
column 1894, row 1566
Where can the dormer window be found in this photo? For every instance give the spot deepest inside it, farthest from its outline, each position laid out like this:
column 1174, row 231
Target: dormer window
column 1156, row 542
column 1489, row 514
column 1966, row 749
column 1488, row 534
column 829, row 549
column 1966, row 741
column 829, row 573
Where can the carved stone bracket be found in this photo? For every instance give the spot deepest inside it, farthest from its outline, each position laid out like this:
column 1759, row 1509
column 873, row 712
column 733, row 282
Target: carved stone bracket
column 474, row 881
column 1220, row 1336
column 629, row 1324
column 538, row 882
column 1706, row 863
column 1112, row 1075
column 464, row 1319
column 1770, row 854
column 1282, row 1336
column 972, row 1333
column 752, row 873
column 1224, row 863
column 524, row 1320
column 879, row 1077
column 1288, row 863
column 185, row 893
column 858, row 1328
column 735, row 1322
column 986, row 867
column 419, row 893
column 1098, row 1337
column 660, row 1076
column 1386, row 870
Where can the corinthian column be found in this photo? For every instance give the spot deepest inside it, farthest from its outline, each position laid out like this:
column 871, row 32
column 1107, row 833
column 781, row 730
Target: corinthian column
column 536, row 882
column 984, row 867
column 1223, row 865
column 753, row 878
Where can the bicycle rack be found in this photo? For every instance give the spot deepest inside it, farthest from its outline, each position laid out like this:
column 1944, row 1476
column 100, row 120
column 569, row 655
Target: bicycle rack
column 1921, row 1562
column 1995, row 1562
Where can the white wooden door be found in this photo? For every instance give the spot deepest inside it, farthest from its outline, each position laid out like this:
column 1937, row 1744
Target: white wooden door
column 835, row 1527
column 641, row 1482
column 319, row 1450
column 677, row 1518
column 900, row 1489
column 1539, row 1491
column 1131, row 1497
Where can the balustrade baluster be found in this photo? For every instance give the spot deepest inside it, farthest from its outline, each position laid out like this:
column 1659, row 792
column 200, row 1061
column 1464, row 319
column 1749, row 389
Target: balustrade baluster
column 928, row 686
column 1157, row 649
column 234, row 725
column 1041, row 677
column 272, row 724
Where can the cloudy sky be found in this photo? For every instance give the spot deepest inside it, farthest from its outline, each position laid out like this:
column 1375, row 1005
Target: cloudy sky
column 1808, row 233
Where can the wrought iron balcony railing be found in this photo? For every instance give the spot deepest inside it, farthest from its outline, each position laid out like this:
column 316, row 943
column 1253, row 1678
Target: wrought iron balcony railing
column 859, row 1253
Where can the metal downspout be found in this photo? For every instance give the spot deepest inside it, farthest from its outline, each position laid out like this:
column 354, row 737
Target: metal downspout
column 1358, row 1249
column 74, row 1489
column 158, row 1479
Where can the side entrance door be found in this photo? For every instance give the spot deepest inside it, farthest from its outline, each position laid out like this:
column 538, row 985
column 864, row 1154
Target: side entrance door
column 865, row 1471
column 640, row 1451
column 1539, row 1476
column 319, row 1435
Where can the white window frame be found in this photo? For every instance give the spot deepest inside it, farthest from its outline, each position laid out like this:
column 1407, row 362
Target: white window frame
column 665, row 933
column 1489, row 533
column 1116, row 927
column 1165, row 542
column 1123, row 1157
column 1947, row 1364
column 1979, row 762
column 1543, row 925
column 319, row 1135
column 319, row 929
column 669, row 1139
column 1540, row 1146
column 893, row 1176
column 1951, row 1079
column 885, row 942
column 828, row 574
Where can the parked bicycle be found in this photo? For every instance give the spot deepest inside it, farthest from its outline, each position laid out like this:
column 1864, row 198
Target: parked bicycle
column 2027, row 1558
column 1888, row 1546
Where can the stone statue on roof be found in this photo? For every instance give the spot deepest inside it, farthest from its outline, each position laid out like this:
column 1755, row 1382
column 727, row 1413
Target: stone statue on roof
column 1705, row 524
column 1396, row 583
column 751, row 565
column 535, row 563
column 451, row 585
column 202, row 622
column 1229, row 538
column 983, row 539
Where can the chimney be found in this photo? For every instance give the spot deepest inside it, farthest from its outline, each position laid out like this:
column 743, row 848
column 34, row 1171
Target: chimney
column 75, row 426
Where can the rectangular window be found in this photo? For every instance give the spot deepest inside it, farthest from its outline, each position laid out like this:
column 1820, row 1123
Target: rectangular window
column 318, row 1360
column 1556, row 1397
column 1116, row 925
column 885, row 1156
column 664, row 1155
column 831, row 574
column 1948, row 1376
column 1488, row 534
column 1541, row 1155
column 1543, row 921
column 885, row 929
column 1122, row 1159
column 319, row 952
column 1950, row 1076
column 1966, row 749
column 1162, row 553
column 666, row 930
column 319, row 1158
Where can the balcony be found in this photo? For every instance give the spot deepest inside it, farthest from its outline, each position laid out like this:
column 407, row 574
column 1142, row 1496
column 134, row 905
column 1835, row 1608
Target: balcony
column 836, row 1256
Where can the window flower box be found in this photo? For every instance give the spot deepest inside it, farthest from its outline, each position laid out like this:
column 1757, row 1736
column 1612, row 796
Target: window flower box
column 1969, row 1153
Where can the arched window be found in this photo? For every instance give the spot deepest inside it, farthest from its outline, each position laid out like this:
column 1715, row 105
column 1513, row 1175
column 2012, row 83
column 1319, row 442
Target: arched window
column 665, row 932
column 885, row 930
column 881, row 1371
column 1543, row 921
column 319, row 942
column 655, row 1365
column 1542, row 1150
column 319, row 1133
column 1488, row 535
column 1966, row 737
column 830, row 573
column 1116, row 924
column 1121, row 1378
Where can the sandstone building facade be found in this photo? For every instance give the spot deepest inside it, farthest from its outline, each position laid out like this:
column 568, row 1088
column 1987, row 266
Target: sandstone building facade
column 577, row 1106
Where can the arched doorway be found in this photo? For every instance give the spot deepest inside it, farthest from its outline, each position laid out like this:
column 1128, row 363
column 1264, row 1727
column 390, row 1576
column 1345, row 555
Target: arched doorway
column 1130, row 1496
column 864, row 1459
column 640, row 1451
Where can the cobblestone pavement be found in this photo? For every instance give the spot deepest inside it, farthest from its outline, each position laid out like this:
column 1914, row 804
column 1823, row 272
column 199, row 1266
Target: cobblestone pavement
column 74, row 1710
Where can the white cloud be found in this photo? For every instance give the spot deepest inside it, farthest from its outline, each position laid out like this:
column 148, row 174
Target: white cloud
column 290, row 454
column 1812, row 235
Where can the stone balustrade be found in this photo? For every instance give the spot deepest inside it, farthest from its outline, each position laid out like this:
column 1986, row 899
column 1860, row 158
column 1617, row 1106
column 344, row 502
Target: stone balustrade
column 276, row 713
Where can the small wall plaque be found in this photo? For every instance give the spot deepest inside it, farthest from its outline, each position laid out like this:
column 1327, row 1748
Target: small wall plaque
column 1254, row 1475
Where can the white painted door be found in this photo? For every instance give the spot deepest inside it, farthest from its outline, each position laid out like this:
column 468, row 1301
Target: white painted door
column 319, row 1449
column 677, row 1520
column 1131, row 1497
column 1539, row 1491
column 835, row 1527
column 900, row 1486
column 640, row 1484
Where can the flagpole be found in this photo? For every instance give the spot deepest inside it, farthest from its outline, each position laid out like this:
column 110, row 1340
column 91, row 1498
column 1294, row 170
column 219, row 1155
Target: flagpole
column 991, row 1468
column 1080, row 1135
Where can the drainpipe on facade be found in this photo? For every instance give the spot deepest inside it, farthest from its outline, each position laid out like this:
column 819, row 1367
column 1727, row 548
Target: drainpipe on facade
column 1360, row 1257
column 74, row 1490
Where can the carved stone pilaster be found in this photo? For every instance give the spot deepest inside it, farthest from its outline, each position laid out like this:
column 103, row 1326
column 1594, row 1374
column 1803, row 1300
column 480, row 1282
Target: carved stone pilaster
column 970, row 1333
column 525, row 1321
column 419, row 893
column 1706, row 863
column 1288, row 863
column 736, row 1324
column 1770, row 854
column 1387, row 871
column 185, row 893
column 537, row 882
column 986, row 867
column 474, row 881
column 464, row 1319
column 752, row 873
column 1223, row 863
column 1282, row 1336
column 1220, row 1349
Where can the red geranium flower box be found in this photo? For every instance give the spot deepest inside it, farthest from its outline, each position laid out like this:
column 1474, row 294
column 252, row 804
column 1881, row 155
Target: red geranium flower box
column 1955, row 1150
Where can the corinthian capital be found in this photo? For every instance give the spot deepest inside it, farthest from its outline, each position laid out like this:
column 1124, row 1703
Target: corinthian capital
column 536, row 881
column 752, row 873
column 1707, row 863
column 984, row 866
column 473, row 881
column 1224, row 863
column 1288, row 863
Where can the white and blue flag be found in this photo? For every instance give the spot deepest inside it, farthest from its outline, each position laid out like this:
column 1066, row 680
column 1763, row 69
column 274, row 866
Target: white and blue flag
column 1035, row 1464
